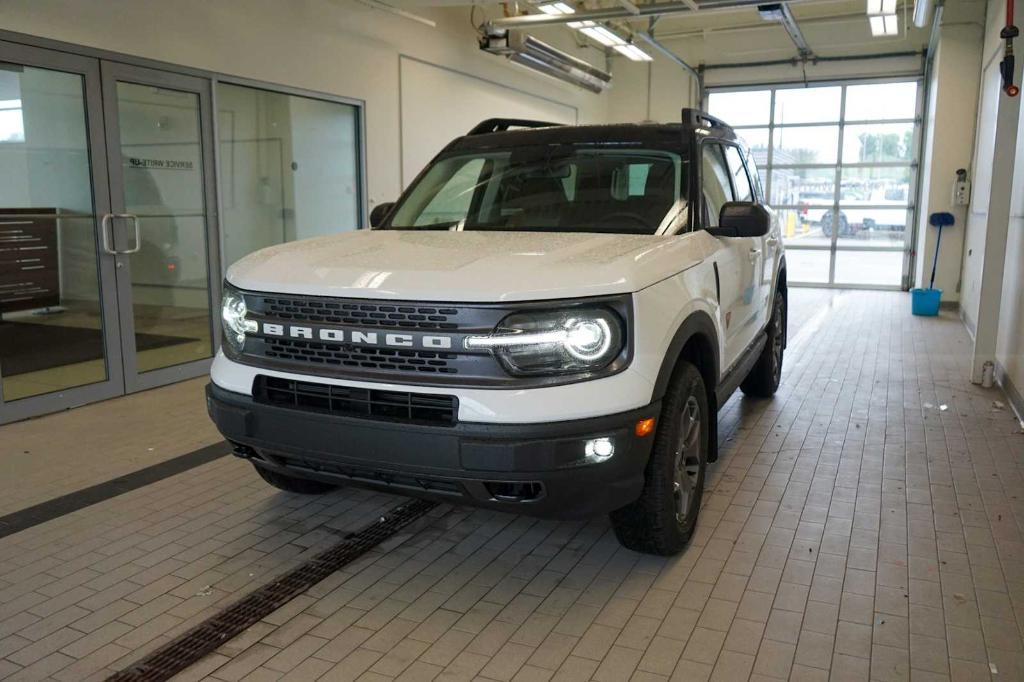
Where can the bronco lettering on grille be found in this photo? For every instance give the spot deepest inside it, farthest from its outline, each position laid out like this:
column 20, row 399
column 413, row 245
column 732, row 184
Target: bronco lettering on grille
column 366, row 338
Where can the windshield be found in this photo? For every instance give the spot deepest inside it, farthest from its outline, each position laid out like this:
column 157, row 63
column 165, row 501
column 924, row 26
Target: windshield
column 554, row 188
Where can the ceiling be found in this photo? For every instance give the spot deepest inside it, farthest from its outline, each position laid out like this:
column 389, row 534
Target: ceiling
column 831, row 27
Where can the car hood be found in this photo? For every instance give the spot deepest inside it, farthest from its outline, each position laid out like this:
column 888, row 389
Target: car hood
column 466, row 266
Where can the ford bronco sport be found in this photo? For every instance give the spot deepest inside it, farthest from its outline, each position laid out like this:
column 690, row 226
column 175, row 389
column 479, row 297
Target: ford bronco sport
column 546, row 322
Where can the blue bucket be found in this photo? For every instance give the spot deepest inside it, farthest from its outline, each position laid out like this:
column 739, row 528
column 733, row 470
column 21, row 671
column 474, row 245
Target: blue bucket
column 925, row 301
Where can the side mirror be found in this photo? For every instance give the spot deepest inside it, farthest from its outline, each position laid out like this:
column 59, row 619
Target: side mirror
column 380, row 213
column 742, row 219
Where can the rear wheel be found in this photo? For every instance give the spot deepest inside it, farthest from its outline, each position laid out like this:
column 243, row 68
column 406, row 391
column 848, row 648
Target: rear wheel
column 292, row 484
column 663, row 518
column 764, row 378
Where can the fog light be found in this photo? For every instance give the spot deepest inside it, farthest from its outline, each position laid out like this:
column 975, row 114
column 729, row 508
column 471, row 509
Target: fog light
column 599, row 449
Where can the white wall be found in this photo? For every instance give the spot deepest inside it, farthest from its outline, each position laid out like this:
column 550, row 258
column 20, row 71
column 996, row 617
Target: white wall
column 438, row 95
column 949, row 144
column 335, row 46
column 995, row 206
column 981, row 176
column 654, row 91
column 1010, row 340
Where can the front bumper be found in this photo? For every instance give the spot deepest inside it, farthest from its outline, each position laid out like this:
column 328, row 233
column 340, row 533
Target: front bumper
column 535, row 469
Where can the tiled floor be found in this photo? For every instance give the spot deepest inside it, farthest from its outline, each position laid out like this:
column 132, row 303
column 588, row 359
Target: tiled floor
column 864, row 524
column 60, row 453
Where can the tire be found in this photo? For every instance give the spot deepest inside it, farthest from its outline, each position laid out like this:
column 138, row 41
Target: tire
column 291, row 484
column 662, row 520
column 763, row 379
column 826, row 225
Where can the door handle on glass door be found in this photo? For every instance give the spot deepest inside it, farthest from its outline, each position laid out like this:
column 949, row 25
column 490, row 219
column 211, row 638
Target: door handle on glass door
column 106, row 223
column 138, row 234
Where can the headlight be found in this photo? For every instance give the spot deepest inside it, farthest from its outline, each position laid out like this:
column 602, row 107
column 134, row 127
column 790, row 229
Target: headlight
column 554, row 342
column 236, row 326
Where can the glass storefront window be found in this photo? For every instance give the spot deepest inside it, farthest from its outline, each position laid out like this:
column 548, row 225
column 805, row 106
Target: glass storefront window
column 289, row 168
column 51, row 336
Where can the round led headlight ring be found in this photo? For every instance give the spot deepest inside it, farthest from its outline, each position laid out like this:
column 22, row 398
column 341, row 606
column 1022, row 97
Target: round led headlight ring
column 587, row 339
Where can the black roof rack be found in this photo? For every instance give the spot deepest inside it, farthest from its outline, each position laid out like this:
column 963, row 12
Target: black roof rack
column 497, row 125
column 696, row 117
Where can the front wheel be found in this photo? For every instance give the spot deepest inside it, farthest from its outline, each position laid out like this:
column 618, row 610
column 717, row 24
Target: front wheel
column 292, row 484
column 662, row 520
column 764, row 377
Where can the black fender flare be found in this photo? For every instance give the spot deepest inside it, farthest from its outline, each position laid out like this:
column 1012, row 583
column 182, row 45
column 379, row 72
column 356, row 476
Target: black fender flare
column 782, row 284
column 697, row 323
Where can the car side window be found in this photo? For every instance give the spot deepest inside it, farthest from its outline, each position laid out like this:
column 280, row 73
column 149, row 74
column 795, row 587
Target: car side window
column 755, row 177
column 740, row 181
column 714, row 182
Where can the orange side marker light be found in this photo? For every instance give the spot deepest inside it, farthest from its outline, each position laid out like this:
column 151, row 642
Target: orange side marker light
column 644, row 427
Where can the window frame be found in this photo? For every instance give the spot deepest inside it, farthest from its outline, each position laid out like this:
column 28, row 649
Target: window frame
column 705, row 213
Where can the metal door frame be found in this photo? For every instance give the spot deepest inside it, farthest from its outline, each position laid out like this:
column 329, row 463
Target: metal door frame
column 89, row 69
column 112, row 73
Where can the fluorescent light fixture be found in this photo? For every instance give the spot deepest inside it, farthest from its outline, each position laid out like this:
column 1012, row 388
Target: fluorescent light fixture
column 534, row 54
column 609, row 38
column 556, row 8
column 602, row 35
column 632, row 52
column 884, row 25
column 881, row 7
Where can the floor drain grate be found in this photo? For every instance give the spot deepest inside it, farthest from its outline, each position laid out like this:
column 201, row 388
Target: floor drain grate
column 204, row 638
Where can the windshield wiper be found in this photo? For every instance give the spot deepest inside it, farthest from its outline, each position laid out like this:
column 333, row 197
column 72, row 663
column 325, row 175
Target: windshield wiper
column 438, row 227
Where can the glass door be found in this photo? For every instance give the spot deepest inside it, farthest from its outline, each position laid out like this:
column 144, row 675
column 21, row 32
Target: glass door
column 59, row 338
column 159, row 139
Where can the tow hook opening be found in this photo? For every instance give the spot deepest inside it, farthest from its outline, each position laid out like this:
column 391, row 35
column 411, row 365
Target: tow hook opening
column 515, row 491
column 243, row 451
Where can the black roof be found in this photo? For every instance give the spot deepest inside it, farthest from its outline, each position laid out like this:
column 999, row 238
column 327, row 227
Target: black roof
column 672, row 135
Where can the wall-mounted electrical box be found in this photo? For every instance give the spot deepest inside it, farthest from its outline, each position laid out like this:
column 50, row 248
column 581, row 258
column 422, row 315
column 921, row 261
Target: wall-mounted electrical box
column 961, row 188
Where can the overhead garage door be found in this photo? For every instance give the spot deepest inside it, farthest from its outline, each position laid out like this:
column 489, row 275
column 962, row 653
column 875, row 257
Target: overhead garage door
column 840, row 165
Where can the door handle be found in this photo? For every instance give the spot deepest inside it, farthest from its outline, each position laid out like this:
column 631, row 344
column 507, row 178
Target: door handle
column 754, row 253
column 772, row 241
column 105, row 232
column 105, row 229
column 138, row 234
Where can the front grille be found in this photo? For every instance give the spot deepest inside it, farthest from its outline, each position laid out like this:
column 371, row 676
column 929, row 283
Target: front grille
column 419, row 343
column 360, row 357
column 362, row 313
column 356, row 346
column 348, row 401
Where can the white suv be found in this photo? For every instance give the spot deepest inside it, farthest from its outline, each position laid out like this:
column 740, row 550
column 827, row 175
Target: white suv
column 546, row 322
